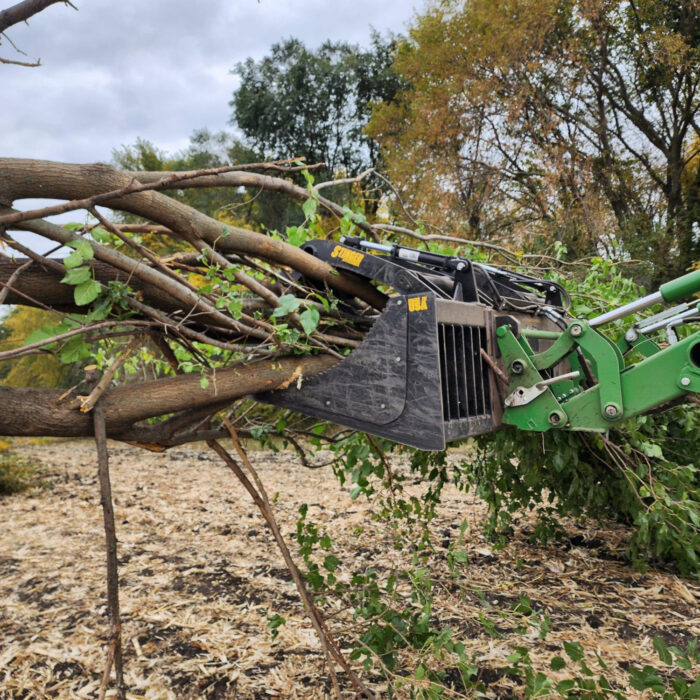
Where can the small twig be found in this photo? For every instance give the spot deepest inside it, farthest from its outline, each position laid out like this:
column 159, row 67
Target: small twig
column 494, row 367
column 344, row 181
column 115, row 626
column 10, row 62
column 13, row 278
column 89, row 403
column 441, row 237
column 32, row 347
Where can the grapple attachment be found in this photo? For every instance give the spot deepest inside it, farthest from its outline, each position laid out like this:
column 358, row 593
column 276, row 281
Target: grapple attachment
column 420, row 377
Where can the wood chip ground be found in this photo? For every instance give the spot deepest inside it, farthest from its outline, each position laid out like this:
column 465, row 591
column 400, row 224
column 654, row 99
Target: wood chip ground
column 200, row 574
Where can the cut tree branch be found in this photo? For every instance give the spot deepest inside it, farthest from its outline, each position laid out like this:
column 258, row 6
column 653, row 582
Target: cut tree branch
column 22, row 11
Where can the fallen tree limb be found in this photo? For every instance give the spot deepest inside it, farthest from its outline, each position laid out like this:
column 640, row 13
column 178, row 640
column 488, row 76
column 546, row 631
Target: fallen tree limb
column 114, row 653
column 22, row 178
column 35, row 412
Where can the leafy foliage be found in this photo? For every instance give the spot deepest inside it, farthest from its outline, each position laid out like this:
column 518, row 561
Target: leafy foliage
column 299, row 102
column 643, row 473
column 536, row 120
column 43, row 370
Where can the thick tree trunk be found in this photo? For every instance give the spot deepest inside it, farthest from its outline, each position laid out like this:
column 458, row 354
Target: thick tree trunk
column 37, row 412
column 38, row 285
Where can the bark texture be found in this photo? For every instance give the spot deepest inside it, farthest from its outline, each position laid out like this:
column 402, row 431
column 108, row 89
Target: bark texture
column 23, row 178
column 38, row 412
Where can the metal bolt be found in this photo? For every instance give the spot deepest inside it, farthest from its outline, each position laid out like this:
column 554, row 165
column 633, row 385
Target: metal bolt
column 685, row 381
column 554, row 418
column 576, row 330
column 611, row 410
column 517, row 367
column 461, row 266
column 631, row 335
column 399, row 302
column 328, row 403
column 398, row 359
column 382, row 405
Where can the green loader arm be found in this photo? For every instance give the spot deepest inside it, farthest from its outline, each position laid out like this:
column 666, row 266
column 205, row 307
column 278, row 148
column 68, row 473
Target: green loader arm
column 604, row 387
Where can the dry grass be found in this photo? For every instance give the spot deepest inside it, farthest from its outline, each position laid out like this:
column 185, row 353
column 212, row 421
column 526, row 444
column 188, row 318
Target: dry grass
column 200, row 574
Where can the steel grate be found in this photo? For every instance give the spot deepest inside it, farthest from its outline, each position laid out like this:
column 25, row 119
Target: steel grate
column 464, row 375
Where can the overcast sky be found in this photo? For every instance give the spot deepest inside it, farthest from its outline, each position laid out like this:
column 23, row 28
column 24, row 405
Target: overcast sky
column 156, row 69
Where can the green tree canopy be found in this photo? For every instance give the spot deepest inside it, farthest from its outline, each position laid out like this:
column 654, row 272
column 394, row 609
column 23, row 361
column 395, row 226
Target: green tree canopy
column 315, row 103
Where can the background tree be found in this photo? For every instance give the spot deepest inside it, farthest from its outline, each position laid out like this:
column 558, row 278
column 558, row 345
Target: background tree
column 41, row 370
column 259, row 209
column 535, row 120
column 315, row 104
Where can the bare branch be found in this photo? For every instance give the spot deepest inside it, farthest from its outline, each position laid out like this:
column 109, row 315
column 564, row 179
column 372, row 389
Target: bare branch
column 22, row 11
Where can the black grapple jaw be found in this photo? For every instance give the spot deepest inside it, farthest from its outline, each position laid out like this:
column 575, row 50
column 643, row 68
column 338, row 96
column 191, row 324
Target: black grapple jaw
column 418, row 378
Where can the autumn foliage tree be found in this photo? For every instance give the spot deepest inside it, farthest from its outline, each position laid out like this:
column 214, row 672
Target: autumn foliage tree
column 541, row 120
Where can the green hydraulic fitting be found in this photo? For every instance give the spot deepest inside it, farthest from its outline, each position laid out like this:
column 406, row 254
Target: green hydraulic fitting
column 681, row 288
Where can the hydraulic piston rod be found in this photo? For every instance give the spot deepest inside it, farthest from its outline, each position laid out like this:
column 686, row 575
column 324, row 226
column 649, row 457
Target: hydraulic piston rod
column 674, row 290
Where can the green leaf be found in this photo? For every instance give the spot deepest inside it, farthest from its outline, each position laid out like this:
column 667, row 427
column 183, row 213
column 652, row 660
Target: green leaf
column 650, row 449
column 74, row 350
column 50, row 332
column 460, row 556
column 309, row 208
column 274, row 622
column 557, row 663
column 662, row 650
column 86, row 292
column 574, row 650
column 203, row 382
column 100, row 235
column 420, row 673
column 77, row 275
column 694, row 690
column 288, row 304
column 331, row 562
column 82, row 247
column 43, row 333
column 74, row 259
column 309, row 320
column 645, row 678
column 297, row 235
column 542, row 684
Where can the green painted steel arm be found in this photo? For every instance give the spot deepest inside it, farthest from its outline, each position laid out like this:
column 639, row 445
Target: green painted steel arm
column 681, row 288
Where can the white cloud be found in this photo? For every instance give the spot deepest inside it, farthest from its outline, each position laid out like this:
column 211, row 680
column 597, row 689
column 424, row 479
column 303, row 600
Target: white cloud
column 159, row 69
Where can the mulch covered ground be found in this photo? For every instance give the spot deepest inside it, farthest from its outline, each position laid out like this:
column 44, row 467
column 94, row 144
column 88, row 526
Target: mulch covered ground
column 200, row 574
